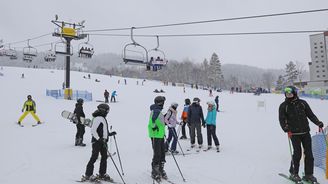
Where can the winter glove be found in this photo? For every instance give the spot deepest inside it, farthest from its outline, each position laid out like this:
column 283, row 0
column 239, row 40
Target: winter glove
column 285, row 128
column 155, row 127
column 102, row 140
column 113, row 133
column 320, row 124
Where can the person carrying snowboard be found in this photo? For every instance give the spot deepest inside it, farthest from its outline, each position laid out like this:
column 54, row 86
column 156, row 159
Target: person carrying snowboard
column 210, row 122
column 30, row 108
column 293, row 118
column 78, row 111
column 184, row 117
column 156, row 132
column 170, row 120
column 100, row 135
column 195, row 121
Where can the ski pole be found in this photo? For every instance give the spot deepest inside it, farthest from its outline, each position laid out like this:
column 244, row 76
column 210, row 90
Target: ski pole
column 177, row 165
column 175, row 134
column 110, row 156
column 118, row 154
column 289, row 134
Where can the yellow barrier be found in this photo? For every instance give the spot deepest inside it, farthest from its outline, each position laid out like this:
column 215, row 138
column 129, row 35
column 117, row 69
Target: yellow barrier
column 68, row 94
column 68, row 31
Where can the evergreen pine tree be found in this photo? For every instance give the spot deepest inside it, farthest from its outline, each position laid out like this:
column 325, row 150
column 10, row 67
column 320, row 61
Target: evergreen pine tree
column 291, row 73
column 215, row 74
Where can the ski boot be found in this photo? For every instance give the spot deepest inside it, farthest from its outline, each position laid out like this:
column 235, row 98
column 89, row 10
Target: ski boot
column 183, row 137
column 155, row 174
column 162, row 171
column 91, row 178
column 296, row 178
column 218, row 148
column 77, row 141
column 105, row 177
column 200, row 146
column 174, row 152
column 310, row 179
column 39, row 122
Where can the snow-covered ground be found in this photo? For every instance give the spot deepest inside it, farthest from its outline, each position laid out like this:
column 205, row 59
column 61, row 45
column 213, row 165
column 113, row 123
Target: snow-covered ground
column 253, row 147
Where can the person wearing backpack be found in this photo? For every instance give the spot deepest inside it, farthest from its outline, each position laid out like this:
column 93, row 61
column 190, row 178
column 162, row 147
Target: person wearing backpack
column 184, row 117
column 171, row 122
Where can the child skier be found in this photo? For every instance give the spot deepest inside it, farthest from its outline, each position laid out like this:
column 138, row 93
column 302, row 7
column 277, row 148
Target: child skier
column 100, row 135
column 171, row 121
column 156, row 132
column 210, row 122
column 184, row 117
column 78, row 111
column 30, row 108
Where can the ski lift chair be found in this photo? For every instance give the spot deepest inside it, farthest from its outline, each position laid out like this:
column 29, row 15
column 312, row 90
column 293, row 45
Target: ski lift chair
column 86, row 50
column 157, row 57
column 60, row 48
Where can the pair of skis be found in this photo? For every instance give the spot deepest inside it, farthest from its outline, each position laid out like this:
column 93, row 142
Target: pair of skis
column 297, row 182
column 34, row 125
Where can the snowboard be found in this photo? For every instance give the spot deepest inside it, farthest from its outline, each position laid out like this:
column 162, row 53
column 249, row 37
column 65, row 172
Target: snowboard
column 72, row 117
column 287, row 177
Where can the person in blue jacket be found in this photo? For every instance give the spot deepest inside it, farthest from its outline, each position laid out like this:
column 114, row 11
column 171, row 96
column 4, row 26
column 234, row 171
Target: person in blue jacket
column 112, row 98
column 210, row 122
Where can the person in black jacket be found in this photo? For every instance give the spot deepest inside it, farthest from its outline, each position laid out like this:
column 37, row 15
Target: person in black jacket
column 293, row 114
column 100, row 135
column 217, row 102
column 78, row 111
column 106, row 95
column 195, row 121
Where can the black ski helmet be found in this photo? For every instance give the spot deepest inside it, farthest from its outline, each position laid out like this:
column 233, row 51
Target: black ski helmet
column 159, row 100
column 29, row 96
column 80, row 100
column 103, row 108
column 290, row 89
column 187, row 101
column 196, row 99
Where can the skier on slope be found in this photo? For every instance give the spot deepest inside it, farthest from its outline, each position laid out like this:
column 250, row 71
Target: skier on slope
column 78, row 111
column 195, row 121
column 171, row 122
column 112, row 98
column 106, row 95
column 210, row 122
column 100, row 135
column 30, row 108
column 293, row 114
column 184, row 117
column 156, row 132
column 217, row 102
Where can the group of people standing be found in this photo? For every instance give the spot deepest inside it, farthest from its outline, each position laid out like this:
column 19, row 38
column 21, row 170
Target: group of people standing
column 192, row 116
column 112, row 98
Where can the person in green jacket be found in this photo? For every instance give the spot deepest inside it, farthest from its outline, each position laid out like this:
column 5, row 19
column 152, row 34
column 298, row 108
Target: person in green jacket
column 156, row 132
column 30, row 107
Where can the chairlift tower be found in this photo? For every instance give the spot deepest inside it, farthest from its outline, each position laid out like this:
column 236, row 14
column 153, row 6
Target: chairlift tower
column 68, row 31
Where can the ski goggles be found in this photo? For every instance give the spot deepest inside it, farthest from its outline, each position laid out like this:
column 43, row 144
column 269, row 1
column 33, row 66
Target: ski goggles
column 288, row 90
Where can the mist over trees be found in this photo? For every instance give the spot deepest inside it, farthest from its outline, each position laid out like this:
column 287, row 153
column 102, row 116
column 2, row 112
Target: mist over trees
column 211, row 72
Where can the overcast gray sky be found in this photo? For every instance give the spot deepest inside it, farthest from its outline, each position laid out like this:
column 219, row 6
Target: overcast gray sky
column 22, row 19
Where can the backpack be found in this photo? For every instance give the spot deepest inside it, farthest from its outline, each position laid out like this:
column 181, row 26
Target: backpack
column 168, row 117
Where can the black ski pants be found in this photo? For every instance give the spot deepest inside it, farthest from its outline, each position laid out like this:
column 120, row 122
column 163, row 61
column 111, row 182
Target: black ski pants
column 183, row 129
column 106, row 99
column 159, row 151
column 297, row 141
column 112, row 98
column 211, row 134
column 97, row 147
column 193, row 129
column 80, row 131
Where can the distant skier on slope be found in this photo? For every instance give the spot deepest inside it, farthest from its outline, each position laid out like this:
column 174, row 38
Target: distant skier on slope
column 195, row 121
column 156, row 131
column 293, row 114
column 112, row 98
column 171, row 122
column 30, row 108
column 211, row 126
column 106, row 95
column 184, row 117
column 100, row 135
column 78, row 111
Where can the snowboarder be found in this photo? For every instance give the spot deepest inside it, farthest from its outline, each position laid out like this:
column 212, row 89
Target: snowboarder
column 210, row 122
column 78, row 111
column 195, row 121
column 170, row 120
column 100, row 135
column 184, row 117
column 106, row 95
column 217, row 102
column 30, row 108
column 293, row 114
column 156, row 132
column 112, row 98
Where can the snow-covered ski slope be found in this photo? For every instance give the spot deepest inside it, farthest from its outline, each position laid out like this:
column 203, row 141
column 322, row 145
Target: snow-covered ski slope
column 253, row 147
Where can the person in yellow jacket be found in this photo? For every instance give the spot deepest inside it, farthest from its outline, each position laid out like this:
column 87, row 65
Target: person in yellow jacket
column 30, row 107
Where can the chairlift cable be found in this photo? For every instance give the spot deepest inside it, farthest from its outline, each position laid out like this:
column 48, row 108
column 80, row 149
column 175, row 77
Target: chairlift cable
column 214, row 20
column 34, row 38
